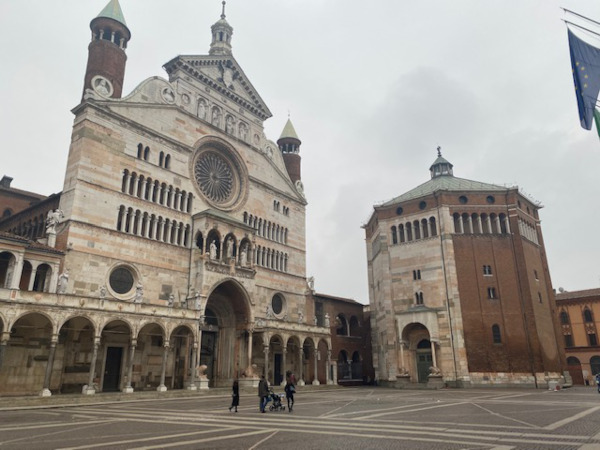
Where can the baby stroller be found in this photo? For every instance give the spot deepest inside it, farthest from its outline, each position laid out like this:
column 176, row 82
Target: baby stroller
column 276, row 399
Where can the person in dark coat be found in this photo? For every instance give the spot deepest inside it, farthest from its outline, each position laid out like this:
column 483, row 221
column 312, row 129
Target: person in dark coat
column 263, row 393
column 235, row 396
column 290, row 389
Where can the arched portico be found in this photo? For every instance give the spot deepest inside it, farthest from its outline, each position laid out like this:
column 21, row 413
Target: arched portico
column 225, row 337
column 116, row 337
column 417, row 352
column 78, row 351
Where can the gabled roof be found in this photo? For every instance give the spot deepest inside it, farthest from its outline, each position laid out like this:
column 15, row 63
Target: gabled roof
column 210, row 69
column 444, row 183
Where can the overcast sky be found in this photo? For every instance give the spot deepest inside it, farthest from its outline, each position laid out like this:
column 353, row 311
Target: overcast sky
column 373, row 88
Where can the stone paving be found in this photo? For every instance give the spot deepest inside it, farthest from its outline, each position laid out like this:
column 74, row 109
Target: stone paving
column 356, row 418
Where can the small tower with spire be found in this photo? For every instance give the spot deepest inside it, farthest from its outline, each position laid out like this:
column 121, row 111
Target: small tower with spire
column 221, row 36
column 106, row 52
column 441, row 166
column 289, row 145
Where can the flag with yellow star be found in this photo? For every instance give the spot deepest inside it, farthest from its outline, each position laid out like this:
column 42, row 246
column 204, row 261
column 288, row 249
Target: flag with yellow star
column 585, row 62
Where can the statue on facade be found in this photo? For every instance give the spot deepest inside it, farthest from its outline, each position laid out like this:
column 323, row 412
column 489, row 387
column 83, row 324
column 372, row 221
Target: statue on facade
column 213, row 250
column 229, row 244
column 102, row 292
column 269, row 312
column 215, row 117
column 311, row 283
column 171, row 300
column 53, row 219
column 327, row 323
column 201, row 372
column 229, row 125
column 202, row 109
column 139, row 293
column 243, row 257
column 300, row 317
column 63, row 281
column 243, row 132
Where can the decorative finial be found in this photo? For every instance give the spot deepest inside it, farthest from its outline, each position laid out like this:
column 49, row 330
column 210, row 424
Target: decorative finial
column 439, row 149
column 223, row 12
column 288, row 113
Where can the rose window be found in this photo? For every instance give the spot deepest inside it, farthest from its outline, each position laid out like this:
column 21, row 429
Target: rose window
column 214, row 177
column 220, row 176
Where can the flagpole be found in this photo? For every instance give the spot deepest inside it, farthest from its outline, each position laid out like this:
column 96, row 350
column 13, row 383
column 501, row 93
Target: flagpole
column 579, row 15
column 579, row 26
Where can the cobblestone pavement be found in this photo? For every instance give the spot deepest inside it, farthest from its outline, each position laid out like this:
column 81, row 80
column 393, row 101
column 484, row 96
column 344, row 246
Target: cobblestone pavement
column 351, row 418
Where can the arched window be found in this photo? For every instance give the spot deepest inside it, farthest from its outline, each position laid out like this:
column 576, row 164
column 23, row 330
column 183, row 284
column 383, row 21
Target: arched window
column 161, row 158
column 146, row 153
column 394, row 235
column 418, row 298
column 432, row 226
column 587, row 315
column 140, row 150
column 168, row 162
column 564, row 318
column 496, row 336
column 595, row 364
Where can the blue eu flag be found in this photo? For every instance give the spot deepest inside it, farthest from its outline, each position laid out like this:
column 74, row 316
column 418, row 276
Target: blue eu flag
column 585, row 62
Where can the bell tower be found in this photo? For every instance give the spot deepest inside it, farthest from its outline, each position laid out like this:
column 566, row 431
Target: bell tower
column 289, row 145
column 106, row 53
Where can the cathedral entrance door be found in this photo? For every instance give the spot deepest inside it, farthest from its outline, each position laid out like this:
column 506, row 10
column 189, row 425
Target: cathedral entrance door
column 112, row 369
column 208, row 354
column 277, row 372
column 424, row 360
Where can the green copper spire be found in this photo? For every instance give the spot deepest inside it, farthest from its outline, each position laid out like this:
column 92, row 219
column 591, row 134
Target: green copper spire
column 288, row 131
column 113, row 11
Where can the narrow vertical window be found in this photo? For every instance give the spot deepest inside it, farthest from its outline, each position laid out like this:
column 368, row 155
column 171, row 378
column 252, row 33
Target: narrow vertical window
column 496, row 335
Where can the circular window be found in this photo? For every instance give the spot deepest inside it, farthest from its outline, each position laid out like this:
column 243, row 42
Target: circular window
column 399, row 210
column 277, row 304
column 463, row 199
column 490, row 199
column 422, row 205
column 121, row 280
column 220, row 176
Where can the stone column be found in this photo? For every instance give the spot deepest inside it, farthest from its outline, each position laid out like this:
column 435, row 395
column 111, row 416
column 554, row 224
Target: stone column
column 250, row 348
column 127, row 183
column 507, row 223
column 461, row 225
column 46, row 389
column 3, row 343
column 266, row 350
column 498, row 227
column 470, row 224
column 433, row 356
column 192, row 386
column 17, row 272
column 146, row 223
column 316, row 380
column 92, row 374
column 329, row 379
column 128, row 389
column 53, row 279
column 32, row 279
column 301, row 364
column 143, row 190
column 177, row 201
column 163, row 371
column 283, row 363
column 403, row 366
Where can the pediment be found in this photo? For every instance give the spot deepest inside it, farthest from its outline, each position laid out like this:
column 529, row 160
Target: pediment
column 222, row 74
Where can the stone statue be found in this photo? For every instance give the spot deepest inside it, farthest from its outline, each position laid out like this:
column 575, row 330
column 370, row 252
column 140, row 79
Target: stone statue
column 168, row 95
column 63, row 281
column 243, row 257
column 435, row 371
column 300, row 317
column 215, row 117
column 243, row 131
column 316, row 320
column 213, row 250
column 327, row 323
column 102, row 87
column 102, row 292
column 402, row 372
column 171, row 300
column 311, row 283
column 201, row 372
column 202, row 109
column 53, row 219
column 139, row 293
column 269, row 312
column 229, row 125
column 250, row 372
column 229, row 248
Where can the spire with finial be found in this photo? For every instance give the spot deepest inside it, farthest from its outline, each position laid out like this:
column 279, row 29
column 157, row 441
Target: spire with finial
column 221, row 35
column 440, row 166
column 289, row 145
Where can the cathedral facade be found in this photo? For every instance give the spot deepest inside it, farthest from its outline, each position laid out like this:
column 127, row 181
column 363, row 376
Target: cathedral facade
column 459, row 287
column 175, row 256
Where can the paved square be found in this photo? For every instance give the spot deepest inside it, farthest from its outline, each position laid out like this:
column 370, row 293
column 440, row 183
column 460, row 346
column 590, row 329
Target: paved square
column 351, row 418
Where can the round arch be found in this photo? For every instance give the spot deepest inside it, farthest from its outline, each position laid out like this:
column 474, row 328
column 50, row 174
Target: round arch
column 76, row 338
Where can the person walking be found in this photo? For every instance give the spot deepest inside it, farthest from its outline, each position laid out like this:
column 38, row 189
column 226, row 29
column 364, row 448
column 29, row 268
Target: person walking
column 235, row 395
column 263, row 393
column 290, row 390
